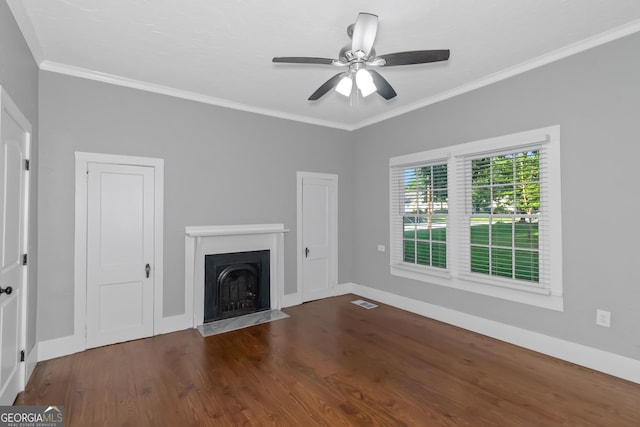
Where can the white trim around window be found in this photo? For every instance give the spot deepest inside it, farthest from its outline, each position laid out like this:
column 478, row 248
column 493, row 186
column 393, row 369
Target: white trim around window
column 546, row 289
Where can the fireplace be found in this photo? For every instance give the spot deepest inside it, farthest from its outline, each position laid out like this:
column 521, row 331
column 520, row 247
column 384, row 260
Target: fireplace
column 235, row 284
column 201, row 242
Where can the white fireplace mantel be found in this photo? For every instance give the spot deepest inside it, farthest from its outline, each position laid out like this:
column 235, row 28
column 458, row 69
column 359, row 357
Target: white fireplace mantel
column 220, row 239
column 226, row 230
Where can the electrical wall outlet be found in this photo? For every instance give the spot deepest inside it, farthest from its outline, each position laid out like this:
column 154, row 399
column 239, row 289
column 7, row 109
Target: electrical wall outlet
column 381, row 248
column 603, row 318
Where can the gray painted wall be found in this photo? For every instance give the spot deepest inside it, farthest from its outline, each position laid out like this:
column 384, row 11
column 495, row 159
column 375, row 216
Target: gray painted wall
column 221, row 167
column 595, row 97
column 19, row 77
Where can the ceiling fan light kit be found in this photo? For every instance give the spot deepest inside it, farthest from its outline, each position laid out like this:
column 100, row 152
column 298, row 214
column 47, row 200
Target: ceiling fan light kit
column 360, row 58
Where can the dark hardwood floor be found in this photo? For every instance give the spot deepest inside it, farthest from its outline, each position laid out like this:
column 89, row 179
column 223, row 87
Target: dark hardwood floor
column 334, row 364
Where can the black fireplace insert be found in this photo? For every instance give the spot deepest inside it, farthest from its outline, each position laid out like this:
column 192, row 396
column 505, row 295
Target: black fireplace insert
column 236, row 284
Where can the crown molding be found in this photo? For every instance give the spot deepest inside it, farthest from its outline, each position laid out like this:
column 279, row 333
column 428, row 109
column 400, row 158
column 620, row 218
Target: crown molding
column 29, row 34
column 27, row 30
column 556, row 55
column 71, row 70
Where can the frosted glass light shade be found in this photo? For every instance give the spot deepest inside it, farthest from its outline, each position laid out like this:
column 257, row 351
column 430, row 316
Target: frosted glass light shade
column 344, row 86
column 364, row 81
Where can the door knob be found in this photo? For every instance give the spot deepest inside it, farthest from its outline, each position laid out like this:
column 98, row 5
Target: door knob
column 306, row 252
column 6, row 290
column 147, row 269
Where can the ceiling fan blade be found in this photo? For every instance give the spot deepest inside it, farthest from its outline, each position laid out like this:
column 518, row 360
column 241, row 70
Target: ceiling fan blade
column 382, row 85
column 364, row 33
column 415, row 57
column 326, row 87
column 302, row 60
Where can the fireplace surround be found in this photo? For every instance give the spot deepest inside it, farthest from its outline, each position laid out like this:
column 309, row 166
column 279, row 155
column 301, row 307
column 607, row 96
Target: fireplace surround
column 201, row 241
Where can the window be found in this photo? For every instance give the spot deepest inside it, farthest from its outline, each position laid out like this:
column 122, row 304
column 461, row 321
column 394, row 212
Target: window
column 424, row 215
column 482, row 216
column 503, row 215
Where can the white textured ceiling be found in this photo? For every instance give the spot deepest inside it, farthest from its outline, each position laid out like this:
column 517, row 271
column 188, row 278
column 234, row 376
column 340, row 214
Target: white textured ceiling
column 220, row 51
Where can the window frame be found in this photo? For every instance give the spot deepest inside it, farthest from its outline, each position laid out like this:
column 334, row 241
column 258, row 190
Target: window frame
column 547, row 294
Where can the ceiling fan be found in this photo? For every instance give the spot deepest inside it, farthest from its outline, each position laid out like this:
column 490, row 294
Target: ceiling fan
column 360, row 58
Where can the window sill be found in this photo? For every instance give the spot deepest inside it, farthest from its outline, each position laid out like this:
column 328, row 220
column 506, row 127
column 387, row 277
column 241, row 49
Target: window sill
column 535, row 297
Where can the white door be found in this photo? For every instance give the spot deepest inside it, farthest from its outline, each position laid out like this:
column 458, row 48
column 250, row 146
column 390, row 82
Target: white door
column 120, row 253
column 14, row 138
column 319, row 235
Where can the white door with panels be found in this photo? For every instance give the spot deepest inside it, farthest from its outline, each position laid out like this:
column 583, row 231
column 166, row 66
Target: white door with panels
column 120, row 253
column 318, row 251
column 15, row 133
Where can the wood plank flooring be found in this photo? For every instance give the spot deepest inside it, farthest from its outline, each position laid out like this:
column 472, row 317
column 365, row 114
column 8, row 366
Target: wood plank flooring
column 330, row 364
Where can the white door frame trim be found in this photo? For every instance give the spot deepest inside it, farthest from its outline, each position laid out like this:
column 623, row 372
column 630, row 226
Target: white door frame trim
column 80, row 247
column 26, row 370
column 295, row 299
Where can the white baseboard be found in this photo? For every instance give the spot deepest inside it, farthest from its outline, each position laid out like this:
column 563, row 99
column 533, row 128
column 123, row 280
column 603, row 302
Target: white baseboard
column 345, row 288
column 64, row 346
column 31, row 360
column 57, row 347
column 599, row 360
column 289, row 300
column 169, row 324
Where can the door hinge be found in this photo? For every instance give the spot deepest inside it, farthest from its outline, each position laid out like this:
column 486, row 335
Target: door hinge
column 22, row 355
column 24, row 259
column 26, row 164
